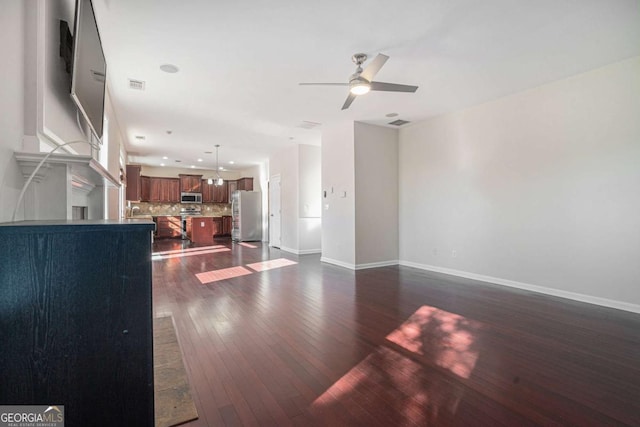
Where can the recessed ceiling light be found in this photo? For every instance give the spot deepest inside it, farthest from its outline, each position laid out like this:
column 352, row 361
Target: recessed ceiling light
column 169, row 132
column 220, row 168
column 165, row 158
column 199, row 160
column 231, row 162
column 178, row 161
column 192, row 166
column 161, row 164
column 392, row 115
column 169, row 68
column 140, row 137
column 208, row 152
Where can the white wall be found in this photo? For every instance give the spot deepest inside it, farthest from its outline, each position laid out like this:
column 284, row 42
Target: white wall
column 299, row 170
column 338, row 214
column 538, row 189
column 12, row 83
column 376, row 195
column 56, row 110
column 285, row 164
column 309, row 199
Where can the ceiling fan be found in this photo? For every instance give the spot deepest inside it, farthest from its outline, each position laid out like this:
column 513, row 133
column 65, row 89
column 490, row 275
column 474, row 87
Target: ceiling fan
column 361, row 81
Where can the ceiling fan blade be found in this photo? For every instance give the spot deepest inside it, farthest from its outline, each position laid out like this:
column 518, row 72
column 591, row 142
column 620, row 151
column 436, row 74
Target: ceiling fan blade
column 392, row 87
column 348, row 101
column 323, row 84
column 374, row 66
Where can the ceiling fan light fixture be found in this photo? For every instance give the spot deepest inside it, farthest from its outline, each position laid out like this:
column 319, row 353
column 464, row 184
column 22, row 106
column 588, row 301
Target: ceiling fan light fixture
column 360, row 88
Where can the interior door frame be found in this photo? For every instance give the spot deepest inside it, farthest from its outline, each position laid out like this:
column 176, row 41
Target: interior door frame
column 272, row 179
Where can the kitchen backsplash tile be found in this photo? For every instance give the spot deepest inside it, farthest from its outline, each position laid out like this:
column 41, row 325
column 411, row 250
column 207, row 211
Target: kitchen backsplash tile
column 158, row 209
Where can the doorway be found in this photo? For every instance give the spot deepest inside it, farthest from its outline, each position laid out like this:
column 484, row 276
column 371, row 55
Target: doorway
column 274, row 212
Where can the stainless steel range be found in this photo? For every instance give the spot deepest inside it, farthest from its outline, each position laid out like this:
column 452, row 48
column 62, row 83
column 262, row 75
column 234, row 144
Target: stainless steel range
column 185, row 213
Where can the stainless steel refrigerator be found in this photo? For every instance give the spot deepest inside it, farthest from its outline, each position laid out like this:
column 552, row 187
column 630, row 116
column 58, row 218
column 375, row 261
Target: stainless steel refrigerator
column 246, row 210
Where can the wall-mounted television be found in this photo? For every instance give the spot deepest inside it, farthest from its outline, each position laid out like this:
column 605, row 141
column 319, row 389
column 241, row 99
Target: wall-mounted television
column 89, row 73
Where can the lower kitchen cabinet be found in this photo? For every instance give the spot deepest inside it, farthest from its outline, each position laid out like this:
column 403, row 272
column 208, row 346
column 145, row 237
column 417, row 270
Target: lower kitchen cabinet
column 168, row 226
column 76, row 319
column 226, row 225
column 217, row 226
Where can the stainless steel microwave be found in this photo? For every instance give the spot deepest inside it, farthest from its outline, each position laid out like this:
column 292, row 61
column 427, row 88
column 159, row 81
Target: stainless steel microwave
column 190, row 197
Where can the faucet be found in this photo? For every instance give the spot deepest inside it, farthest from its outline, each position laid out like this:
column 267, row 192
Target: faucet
column 133, row 209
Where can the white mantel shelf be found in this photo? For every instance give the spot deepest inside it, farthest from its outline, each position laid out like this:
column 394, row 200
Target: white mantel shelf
column 85, row 169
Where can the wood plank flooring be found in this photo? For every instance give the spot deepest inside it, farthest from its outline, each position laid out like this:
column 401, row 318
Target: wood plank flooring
column 311, row 344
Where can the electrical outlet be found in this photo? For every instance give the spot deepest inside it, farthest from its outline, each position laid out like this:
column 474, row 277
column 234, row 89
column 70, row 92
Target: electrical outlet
column 454, row 253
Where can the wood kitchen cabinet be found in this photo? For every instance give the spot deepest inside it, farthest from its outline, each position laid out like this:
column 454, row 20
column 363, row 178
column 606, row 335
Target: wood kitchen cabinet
column 154, row 185
column 231, row 187
column 226, row 225
column 76, row 319
column 190, row 183
column 145, row 189
column 215, row 193
column 168, row 226
column 165, row 190
column 171, row 190
column 217, row 226
column 221, row 193
column 133, row 182
column 207, row 192
column 202, row 230
column 245, row 184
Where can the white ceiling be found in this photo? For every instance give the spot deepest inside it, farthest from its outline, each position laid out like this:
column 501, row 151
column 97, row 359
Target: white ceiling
column 241, row 61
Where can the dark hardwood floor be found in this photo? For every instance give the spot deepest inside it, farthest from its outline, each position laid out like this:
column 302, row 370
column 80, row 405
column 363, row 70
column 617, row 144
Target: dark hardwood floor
column 315, row 344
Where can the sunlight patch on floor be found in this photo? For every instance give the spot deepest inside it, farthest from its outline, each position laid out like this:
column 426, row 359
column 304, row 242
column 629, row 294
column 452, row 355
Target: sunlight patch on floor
column 222, row 274
column 444, row 338
column 423, row 393
column 177, row 251
column 248, row 245
column 185, row 254
column 271, row 264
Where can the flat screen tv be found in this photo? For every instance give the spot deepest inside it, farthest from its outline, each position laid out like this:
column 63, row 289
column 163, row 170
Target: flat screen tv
column 89, row 67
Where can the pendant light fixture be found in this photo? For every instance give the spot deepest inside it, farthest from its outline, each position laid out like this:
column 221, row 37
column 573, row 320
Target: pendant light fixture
column 218, row 181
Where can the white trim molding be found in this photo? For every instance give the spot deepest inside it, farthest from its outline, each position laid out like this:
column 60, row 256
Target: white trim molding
column 300, row 251
column 376, row 264
column 620, row 305
column 338, row 263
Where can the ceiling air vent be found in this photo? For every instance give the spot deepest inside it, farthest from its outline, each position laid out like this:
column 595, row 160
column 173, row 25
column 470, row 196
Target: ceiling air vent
column 308, row 125
column 399, row 122
column 136, row 84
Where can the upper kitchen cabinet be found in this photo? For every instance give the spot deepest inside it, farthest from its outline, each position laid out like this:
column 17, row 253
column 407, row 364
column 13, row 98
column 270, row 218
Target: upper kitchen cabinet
column 133, row 182
column 207, row 191
column 171, row 190
column 165, row 190
column 145, row 189
column 231, row 187
column 215, row 193
column 221, row 193
column 190, row 183
column 245, row 184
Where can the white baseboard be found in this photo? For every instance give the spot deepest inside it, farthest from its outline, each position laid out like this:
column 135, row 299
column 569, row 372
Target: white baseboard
column 338, row 263
column 359, row 266
column 301, row 251
column 376, row 264
column 620, row 305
